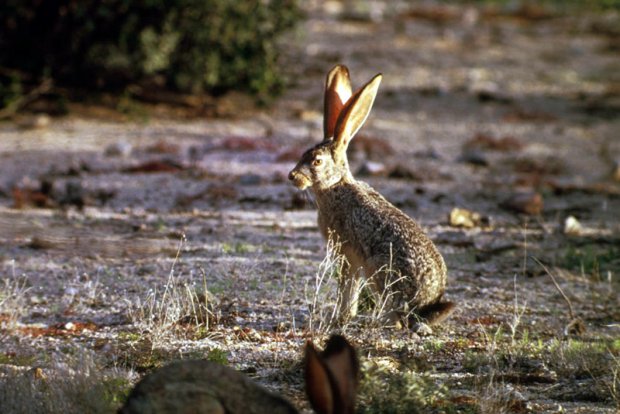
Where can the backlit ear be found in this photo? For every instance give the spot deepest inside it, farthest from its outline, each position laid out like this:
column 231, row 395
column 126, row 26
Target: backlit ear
column 337, row 93
column 354, row 113
column 318, row 383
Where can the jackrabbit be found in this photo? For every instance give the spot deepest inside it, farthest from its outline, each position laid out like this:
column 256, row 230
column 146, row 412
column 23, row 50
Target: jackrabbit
column 378, row 240
column 203, row 387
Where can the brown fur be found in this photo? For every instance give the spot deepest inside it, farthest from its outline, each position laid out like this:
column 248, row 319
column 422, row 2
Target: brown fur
column 379, row 241
column 198, row 386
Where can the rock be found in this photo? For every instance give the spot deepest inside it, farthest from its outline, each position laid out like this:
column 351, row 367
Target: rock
column 572, row 226
column 74, row 194
column 474, row 157
column 422, row 329
column 118, row 149
column 460, row 217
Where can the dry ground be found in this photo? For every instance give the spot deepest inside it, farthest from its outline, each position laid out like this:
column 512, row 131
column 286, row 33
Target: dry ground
column 113, row 235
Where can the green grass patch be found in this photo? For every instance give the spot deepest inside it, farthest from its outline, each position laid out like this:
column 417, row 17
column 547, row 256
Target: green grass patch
column 19, row 360
column 217, row 355
column 238, row 248
column 592, row 260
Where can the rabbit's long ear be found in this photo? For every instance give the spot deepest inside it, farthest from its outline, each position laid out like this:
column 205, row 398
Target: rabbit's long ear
column 337, row 93
column 342, row 363
column 354, row 113
column 332, row 376
column 318, row 382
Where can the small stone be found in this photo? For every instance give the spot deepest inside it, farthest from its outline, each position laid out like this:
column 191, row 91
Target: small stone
column 572, row 226
column 474, row 157
column 118, row 149
column 75, row 194
column 38, row 373
column 460, row 217
column 422, row 329
column 37, row 300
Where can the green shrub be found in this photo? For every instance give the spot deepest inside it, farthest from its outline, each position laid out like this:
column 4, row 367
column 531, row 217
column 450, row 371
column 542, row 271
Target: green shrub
column 191, row 45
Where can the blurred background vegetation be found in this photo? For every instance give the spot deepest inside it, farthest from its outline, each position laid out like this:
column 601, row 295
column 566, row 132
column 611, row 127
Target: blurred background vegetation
column 68, row 49
column 189, row 46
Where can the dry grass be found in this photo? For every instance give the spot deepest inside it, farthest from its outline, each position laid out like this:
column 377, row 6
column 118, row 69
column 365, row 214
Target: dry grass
column 178, row 311
column 323, row 298
column 387, row 387
column 73, row 384
column 13, row 299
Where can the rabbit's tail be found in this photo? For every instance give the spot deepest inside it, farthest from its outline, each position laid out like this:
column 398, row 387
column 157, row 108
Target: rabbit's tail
column 436, row 313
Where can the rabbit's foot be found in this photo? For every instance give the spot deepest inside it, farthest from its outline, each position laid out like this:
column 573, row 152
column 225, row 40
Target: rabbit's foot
column 422, row 329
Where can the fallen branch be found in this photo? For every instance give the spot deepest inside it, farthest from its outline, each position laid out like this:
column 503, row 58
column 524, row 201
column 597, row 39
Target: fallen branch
column 575, row 325
column 44, row 87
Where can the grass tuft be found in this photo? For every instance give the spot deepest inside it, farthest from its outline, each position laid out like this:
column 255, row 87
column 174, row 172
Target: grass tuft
column 70, row 385
column 387, row 388
column 181, row 310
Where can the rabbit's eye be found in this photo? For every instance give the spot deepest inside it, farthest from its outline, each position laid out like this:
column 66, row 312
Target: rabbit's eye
column 317, row 161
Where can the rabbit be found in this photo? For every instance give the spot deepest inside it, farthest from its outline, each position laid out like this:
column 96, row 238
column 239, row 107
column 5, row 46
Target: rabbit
column 379, row 241
column 199, row 386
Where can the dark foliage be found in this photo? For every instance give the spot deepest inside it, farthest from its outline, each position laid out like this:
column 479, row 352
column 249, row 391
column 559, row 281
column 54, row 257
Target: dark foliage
column 187, row 45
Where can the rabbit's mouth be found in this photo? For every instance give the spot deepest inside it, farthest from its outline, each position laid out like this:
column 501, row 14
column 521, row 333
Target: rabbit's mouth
column 299, row 180
column 301, row 183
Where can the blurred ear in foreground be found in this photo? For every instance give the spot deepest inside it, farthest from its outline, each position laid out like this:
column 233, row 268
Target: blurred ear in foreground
column 332, row 376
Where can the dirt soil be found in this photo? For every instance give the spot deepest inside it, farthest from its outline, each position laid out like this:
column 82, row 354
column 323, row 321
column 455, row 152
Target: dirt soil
column 512, row 116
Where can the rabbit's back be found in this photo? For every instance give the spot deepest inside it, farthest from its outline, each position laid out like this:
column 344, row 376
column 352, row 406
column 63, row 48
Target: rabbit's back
column 383, row 237
column 198, row 386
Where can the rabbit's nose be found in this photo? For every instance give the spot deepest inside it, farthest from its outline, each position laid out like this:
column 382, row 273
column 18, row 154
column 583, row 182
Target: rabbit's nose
column 291, row 175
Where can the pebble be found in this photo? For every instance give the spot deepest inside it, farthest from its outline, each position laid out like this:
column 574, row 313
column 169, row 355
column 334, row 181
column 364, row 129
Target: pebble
column 460, row 217
column 118, row 149
column 572, row 226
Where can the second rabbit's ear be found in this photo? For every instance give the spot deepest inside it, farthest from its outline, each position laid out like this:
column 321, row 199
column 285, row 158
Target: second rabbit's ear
column 332, row 376
column 354, row 113
column 318, row 382
column 337, row 93
column 341, row 360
